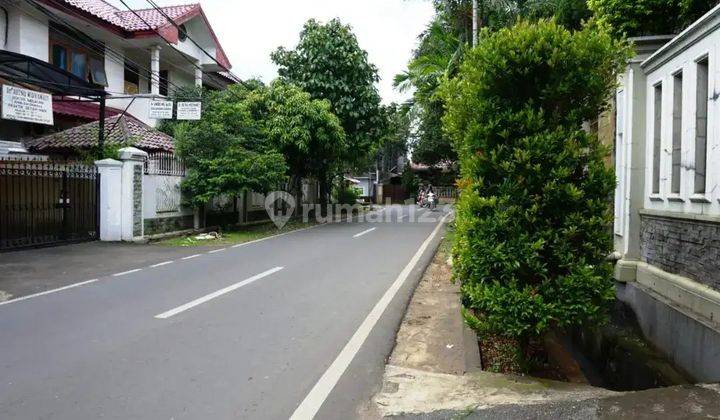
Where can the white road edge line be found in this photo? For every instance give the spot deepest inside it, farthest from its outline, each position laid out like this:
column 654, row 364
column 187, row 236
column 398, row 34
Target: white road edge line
column 254, row 241
column 309, row 407
column 215, row 251
column 213, row 295
column 161, row 264
column 47, row 292
column 357, row 235
column 189, row 257
column 127, row 272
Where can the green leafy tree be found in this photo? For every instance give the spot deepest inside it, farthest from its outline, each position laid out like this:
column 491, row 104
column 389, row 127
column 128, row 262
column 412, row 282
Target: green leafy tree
column 437, row 59
column 227, row 151
column 533, row 220
column 691, row 10
column 649, row 17
column 397, row 135
column 636, row 18
column 442, row 48
column 329, row 64
column 303, row 129
column 568, row 13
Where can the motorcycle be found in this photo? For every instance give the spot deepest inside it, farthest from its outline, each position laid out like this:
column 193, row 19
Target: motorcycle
column 431, row 202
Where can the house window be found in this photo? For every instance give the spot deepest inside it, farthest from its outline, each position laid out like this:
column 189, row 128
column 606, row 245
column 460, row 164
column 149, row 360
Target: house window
column 97, row 72
column 676, row 133
column 132, row 80
column 59, row 56
column 657, row 137
column 79, row 65
column 701, row 123
column 84, row 58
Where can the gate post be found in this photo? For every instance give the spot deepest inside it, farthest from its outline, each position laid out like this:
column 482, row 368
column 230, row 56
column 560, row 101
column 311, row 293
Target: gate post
column 132, row 193
column 109, row 199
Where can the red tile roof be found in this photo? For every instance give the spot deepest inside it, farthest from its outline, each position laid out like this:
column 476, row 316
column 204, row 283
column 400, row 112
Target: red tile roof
column 126, row 19
column 128, row 131
column 128, row 22
column 87, row 110
column 153, row 17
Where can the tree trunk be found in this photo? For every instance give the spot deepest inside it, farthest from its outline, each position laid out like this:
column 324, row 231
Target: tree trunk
column 297, row 187
column 323, row 181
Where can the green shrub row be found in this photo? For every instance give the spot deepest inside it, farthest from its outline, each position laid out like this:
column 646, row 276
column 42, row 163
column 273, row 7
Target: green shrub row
column 533, row 220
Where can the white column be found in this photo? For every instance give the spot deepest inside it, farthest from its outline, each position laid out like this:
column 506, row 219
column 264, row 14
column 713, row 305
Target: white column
column 198, row 74
column 155, row 70
column 110, row 171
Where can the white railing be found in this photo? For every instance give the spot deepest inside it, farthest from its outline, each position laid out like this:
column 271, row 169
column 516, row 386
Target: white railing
column 164, row 163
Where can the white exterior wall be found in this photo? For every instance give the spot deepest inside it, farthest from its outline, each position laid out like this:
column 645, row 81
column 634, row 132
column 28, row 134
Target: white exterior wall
column 686, row 201
column 180, row 78
column 630, row 162
column 198, row 31
column 159, row 191
column 27, row 35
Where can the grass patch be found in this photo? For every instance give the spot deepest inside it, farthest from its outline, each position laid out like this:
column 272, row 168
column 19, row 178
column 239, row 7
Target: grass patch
column 236, row 235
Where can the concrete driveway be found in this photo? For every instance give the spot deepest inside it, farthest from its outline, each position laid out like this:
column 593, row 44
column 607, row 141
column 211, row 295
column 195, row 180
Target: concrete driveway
column 296, row 325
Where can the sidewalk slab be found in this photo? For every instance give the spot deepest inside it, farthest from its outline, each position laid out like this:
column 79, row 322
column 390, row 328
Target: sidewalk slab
column 676, row 403
column 430, row 375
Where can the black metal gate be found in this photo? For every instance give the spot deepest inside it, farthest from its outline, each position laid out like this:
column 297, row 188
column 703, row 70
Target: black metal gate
column 44, row 203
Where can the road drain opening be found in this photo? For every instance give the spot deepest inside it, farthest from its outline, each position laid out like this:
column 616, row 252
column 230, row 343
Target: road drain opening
column 618, row 357
column 615, row 356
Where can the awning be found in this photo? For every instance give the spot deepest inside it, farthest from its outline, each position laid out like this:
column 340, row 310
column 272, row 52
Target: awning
column 86, row 110
column 23, row 69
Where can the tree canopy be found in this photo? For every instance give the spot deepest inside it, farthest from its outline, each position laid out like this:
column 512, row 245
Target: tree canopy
column 303, row 129
column 328, row 63
column 649, row 17
column 442, row 48
column 227, row 151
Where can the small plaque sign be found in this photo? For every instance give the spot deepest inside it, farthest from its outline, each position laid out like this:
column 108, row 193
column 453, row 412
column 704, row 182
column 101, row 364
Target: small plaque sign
column 161, row 110
column 20, row 104
column 189, row 110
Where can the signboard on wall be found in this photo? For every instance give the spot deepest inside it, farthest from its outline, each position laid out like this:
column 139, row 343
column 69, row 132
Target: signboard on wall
column 161, row 110
column 188, row 110
column 20, row 104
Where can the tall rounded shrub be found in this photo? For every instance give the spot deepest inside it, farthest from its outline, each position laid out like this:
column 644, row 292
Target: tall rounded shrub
column 533, row 220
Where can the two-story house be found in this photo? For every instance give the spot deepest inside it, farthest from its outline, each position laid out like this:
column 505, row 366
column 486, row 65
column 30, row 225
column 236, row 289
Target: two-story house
column 135, row 55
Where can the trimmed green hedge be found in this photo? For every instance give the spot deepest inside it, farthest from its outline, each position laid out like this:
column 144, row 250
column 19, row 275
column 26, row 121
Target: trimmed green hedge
column 533, row 220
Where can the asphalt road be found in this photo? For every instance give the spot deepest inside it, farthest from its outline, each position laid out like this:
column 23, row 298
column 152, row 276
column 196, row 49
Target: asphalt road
column 294, row 325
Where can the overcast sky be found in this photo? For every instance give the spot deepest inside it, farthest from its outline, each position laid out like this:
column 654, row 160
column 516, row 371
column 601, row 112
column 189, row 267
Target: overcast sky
column 250, row 29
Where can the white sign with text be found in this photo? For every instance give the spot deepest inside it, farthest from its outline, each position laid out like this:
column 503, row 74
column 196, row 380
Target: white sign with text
column 161, row 110
column 189, row 110
column 26, row 105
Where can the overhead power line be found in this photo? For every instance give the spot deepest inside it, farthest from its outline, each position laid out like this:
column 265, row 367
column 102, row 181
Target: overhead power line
column 171, row 21
column 99, row 47
column 193, row 63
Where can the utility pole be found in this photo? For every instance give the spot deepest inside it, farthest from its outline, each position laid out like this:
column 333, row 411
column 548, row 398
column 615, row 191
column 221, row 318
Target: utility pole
column 474, row 23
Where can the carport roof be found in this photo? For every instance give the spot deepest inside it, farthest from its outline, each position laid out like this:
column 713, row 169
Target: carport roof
column 26, row 70
column 121, row 129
